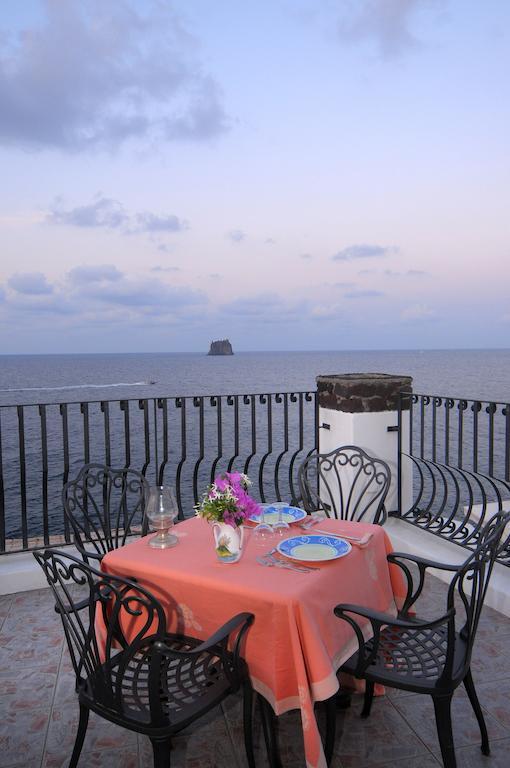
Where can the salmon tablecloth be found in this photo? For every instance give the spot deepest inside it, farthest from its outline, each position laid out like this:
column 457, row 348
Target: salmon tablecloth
column 296, row 644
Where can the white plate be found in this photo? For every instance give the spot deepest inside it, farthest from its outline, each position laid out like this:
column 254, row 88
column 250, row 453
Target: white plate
column 314, row 548
column 272, row 511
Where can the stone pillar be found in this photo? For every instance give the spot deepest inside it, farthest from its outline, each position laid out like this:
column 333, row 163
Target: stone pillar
column 362, row 409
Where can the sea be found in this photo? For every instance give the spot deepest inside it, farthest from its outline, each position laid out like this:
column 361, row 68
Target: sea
column 44, row 442
column 472, row 374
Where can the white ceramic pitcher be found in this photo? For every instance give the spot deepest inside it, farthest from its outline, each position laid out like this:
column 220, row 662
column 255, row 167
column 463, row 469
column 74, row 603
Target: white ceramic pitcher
column 228, row 542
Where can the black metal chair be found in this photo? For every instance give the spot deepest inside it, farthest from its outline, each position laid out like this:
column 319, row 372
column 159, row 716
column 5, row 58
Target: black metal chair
column 140, row 676
column 346, row 483
column 423, row 656
column 104, row 506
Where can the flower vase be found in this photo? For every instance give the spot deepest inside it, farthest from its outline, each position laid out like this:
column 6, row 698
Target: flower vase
column 228, row 542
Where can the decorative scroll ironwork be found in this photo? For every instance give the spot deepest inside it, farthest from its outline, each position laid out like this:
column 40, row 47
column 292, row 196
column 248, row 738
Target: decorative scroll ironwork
column 457, row 462
column 180, row 441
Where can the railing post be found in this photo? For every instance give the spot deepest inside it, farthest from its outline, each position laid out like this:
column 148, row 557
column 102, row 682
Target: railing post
column 367, row 410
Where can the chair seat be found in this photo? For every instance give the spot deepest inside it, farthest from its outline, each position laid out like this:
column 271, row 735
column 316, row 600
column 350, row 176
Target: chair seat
column 412, row 659
column 187, row 687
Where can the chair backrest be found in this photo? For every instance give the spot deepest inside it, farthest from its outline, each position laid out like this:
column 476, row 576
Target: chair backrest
column 470, row 583
column 346, row 483
column 109, row 635
column 104, row 506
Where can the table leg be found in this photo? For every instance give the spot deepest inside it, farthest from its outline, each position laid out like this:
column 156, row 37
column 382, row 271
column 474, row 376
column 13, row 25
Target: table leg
column 269, row 727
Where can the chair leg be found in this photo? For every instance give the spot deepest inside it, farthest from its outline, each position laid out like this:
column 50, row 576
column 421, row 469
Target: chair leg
column 248, row 723
column 369, row 697
column 270, row 734
column 329, row 744
column 161, row 751
column 442, row 708
column 473, row 698
column 80, row 736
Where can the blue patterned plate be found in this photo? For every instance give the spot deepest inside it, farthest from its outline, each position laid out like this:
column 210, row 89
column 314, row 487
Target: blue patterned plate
column 314, row 548
column 271, row 512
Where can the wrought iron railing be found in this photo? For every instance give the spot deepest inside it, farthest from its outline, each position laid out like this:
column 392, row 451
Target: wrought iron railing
column 455, row 464
column 181, row 441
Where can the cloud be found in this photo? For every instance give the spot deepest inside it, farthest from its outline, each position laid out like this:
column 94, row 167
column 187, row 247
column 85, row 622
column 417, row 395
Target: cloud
column 354, row 252
column 103, row 295
column 387, row 23
column 236, row 235
column 106, row 285
column 408, row 273
column 107, row 213
column 104, row 212
column 93, row 75
column 270, row 241
column 363, row 294
column 150, row 222
column 322, row 311
column 418, row 313
column 159, row 268
column 305, row 256
column 96, row 274
column 30, row 283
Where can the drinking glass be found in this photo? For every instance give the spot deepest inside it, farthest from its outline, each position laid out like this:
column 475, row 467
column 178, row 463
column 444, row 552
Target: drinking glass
column 161, row 511
column 280, row 526
column 263, row 532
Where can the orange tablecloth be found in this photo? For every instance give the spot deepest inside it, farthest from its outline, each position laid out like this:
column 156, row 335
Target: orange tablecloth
column 296, row 644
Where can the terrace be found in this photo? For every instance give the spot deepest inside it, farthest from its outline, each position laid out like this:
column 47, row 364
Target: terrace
column 459, row 473
column 40, row 713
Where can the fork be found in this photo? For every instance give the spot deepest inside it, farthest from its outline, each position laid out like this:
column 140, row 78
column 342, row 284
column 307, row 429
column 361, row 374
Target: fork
column 271, row 562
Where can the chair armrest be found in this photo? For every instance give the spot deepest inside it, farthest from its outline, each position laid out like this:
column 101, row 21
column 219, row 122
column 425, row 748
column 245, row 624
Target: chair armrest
column 242, row 621
column 423, row 563
column 379, row 620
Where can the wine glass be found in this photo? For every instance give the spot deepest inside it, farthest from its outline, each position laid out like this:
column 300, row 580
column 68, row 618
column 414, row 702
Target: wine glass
column 280, row 526
column 263, row 532
column 161, row 510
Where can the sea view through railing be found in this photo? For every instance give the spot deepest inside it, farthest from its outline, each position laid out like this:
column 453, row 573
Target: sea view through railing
column 186, row 439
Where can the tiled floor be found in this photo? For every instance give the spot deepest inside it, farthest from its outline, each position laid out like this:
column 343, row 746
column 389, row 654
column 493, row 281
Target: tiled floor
column 38, row 710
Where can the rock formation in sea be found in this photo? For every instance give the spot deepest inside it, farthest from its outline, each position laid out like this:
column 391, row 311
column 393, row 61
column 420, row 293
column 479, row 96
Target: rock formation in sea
column 222, row 347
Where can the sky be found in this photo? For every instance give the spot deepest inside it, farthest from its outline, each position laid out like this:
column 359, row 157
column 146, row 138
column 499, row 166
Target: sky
column 290, row 174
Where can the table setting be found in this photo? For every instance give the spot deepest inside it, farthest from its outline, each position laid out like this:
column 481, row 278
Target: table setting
column 289, row 569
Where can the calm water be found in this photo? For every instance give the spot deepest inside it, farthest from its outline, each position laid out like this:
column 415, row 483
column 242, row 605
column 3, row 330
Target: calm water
column 483, row 374
column 31, row 489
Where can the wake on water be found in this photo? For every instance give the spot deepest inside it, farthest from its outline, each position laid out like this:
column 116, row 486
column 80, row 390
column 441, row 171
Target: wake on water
column 81, row 386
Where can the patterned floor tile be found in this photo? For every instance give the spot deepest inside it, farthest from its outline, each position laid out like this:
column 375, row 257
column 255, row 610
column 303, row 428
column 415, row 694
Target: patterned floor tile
column 104, row 758
column 495, row 699
column 418, row 710
column 471, row 757
column 425, row 761
column 385, row 737
column 21, row 688
column 5, row 604
column 100, row 735
column 203, row 746
column 22, row 734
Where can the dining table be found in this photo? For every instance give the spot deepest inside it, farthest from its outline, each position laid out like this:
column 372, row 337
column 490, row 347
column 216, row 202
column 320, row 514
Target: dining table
column 296, row 644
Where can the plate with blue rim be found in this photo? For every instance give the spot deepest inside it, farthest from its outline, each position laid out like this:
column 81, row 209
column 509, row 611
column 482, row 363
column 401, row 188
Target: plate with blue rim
column 272, row 512
column 314, row 548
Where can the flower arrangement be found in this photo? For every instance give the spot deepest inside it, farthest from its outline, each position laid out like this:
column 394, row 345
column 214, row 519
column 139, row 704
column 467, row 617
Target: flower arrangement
column 227, row 500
